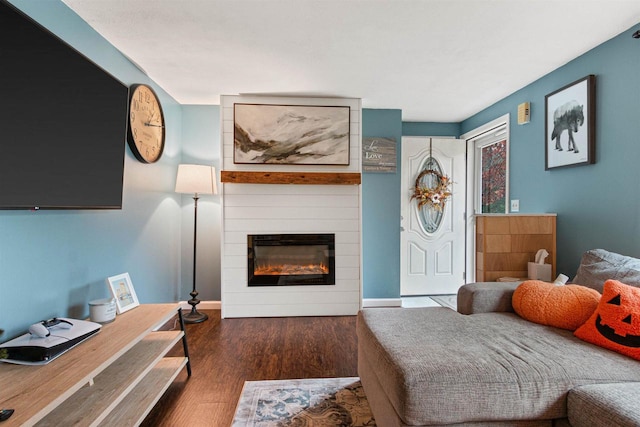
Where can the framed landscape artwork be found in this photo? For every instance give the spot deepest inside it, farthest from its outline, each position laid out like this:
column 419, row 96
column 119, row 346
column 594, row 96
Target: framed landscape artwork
column 570, row 124
column 291, row 134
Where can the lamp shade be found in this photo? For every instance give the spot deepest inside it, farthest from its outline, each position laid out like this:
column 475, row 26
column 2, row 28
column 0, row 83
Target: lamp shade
column 199, row 179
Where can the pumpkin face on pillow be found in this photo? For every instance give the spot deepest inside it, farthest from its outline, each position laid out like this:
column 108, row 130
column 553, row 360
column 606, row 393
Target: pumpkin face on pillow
column 616, row 322
column 616, row 319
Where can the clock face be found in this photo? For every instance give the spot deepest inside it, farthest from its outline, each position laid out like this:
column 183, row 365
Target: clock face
column 146, row 124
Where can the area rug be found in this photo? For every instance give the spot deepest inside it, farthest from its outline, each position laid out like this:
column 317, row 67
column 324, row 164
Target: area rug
column 450, row 301
column 323, row 402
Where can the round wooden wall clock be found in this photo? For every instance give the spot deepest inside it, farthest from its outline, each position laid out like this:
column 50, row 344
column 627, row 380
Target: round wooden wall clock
column 146, row 124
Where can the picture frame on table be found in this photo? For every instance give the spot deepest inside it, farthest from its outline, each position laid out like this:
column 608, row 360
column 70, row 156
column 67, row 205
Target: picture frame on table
column 570, row 120
column 123, row 292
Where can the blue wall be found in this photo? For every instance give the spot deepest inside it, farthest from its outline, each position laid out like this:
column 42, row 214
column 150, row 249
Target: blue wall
column 598, row 206
column 430, row 129
column 53, row 262
column 381, row 212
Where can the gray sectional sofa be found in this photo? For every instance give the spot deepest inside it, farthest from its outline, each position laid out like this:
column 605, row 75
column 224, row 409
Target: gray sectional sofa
column 486, row 366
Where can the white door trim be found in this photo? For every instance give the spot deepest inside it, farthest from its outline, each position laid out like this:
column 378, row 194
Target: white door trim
column 471, row 184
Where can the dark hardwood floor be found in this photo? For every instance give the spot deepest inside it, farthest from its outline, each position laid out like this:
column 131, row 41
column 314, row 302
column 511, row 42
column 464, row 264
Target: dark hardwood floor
column 226, row 353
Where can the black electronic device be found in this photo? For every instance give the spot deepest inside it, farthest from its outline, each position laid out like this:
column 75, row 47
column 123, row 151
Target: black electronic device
column 64, row 122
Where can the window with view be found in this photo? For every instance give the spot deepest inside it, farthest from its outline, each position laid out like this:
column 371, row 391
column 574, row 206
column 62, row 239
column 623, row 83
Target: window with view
column 494, row 174
column 491, row 171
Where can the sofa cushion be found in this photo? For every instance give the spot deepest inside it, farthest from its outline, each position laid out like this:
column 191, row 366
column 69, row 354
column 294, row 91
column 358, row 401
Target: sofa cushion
column 441, row 367
column 486, row 297
column 566, row 306
column 605, row 405
column 599, row 265
column 616, row 322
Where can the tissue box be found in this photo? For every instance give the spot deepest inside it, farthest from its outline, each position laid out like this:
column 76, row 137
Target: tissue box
column 539, row 271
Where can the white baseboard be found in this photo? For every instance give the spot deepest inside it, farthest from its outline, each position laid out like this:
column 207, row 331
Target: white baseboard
column 204, row 305
column 371, row 302
column 381, row 302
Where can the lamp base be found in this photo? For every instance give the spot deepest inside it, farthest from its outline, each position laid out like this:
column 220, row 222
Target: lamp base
column 194, row 315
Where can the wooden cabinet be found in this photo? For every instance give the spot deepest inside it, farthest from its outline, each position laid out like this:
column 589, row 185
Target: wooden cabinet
column 506, row 243
column 114, row 378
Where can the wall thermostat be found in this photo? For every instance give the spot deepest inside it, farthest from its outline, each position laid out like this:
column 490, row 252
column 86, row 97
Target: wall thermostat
column 524, row 113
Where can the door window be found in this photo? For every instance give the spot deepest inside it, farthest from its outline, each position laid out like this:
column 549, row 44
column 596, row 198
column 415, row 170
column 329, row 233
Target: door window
column 430, row 217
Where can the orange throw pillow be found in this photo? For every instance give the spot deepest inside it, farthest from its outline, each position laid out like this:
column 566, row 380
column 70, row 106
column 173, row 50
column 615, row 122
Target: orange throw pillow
column 566, row 306
column 615, row 324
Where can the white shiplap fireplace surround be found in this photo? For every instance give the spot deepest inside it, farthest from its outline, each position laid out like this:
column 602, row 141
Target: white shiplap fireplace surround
column 290, row 209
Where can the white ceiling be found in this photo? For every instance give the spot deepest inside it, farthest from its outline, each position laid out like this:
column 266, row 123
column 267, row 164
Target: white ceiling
column 436, row 60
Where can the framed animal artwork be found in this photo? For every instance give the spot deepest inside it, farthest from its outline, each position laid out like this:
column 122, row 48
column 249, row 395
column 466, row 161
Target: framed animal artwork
column 570, row 121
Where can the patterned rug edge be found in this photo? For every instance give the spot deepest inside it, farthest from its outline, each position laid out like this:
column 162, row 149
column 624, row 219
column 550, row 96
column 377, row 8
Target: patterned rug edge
column 301, row 402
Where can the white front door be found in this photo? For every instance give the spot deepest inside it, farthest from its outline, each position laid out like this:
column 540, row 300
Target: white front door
column 432, row 242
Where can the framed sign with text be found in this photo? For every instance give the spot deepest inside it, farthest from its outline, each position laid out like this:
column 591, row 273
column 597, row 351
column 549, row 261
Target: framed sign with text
column 379, row 155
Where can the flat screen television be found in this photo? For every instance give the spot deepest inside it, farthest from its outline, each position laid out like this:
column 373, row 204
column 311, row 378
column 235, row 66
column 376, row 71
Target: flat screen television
column 63, row 122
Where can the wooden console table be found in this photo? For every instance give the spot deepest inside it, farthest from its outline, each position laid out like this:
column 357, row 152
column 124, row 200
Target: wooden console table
column 113, row 378
column 506, row 243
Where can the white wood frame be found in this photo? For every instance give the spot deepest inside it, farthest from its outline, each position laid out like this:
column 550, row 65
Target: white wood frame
column 472, row 184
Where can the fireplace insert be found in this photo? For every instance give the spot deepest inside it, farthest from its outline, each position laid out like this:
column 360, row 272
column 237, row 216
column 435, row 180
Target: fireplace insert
column 291, row 259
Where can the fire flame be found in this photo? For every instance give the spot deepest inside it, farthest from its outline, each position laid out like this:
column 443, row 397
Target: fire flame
column 290, row 269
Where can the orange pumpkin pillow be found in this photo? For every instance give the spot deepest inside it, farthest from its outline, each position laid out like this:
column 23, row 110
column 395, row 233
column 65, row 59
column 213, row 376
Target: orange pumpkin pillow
column 615, row 324
column 566, row 306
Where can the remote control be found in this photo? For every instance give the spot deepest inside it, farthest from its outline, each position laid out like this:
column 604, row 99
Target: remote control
column 5, row 414
column 57, row 322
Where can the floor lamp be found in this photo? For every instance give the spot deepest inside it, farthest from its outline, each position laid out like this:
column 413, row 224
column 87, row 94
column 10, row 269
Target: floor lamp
column 195, row 179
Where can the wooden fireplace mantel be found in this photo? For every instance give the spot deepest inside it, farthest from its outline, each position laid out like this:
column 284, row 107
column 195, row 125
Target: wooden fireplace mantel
column 309, row 178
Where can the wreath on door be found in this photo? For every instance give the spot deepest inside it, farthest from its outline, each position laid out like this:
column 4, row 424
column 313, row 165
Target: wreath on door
column 436, row 196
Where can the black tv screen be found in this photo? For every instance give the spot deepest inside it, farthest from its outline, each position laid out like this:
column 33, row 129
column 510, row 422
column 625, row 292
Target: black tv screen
column 63, row 122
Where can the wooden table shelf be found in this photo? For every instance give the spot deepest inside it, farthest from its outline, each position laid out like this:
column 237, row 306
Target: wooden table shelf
column 146, row 394
column 92, row 384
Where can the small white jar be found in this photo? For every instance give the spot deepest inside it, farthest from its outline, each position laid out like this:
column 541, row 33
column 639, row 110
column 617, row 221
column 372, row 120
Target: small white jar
column 102, row 310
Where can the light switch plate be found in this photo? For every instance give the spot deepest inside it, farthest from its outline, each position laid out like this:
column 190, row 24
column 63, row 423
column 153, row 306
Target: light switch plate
column 515, row 205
